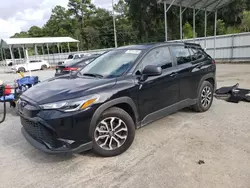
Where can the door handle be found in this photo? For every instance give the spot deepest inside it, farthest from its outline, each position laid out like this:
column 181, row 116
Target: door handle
column 173, row 74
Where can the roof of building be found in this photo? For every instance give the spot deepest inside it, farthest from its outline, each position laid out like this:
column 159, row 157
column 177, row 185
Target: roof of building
column 30, row 42
column 209, row 5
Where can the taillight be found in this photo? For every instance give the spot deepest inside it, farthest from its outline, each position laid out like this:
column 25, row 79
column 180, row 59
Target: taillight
column 213, row 61
column 70, row 69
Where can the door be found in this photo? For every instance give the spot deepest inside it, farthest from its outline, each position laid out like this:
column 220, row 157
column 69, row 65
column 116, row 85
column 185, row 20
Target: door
column 37, row 64
column 190, row 69
column 157, row 93
column 34, row 65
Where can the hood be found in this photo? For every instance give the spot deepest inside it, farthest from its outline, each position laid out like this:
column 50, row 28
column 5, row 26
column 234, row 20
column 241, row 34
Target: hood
column 64, row 88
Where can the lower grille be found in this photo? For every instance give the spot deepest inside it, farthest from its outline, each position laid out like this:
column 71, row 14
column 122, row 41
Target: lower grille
column 38, row 131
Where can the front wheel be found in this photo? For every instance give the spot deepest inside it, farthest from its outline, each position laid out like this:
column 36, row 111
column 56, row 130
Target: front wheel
column 44, row 67
column 205, row 97
column 114, row 133
column 21, row 69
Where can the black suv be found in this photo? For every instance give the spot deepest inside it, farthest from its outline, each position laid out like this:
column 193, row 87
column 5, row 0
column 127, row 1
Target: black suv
column 124, row 89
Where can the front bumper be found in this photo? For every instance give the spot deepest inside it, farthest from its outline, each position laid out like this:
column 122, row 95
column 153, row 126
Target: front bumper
column 63, row 149
column 53, row 131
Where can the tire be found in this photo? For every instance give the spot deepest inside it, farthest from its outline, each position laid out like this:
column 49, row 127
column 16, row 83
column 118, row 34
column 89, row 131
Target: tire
column 44, row 67
column 205, row 97
column 21, row 69
column 101, row 140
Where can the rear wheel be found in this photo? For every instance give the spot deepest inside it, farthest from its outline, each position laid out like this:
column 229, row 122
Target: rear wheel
column 114, row 133
column 205, row 97
column 44, row 67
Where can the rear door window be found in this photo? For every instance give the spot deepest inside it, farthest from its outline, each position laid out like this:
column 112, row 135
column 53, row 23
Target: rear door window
column 159, row 56
column 182, row 54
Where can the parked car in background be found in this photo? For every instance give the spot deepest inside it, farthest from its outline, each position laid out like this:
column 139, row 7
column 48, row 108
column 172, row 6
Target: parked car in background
column 124, row 89
column 66, row 68
column 72, row 58
column 30, row 66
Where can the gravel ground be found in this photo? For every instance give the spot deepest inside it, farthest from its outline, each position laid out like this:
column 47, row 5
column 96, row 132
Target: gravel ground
column 164, row 153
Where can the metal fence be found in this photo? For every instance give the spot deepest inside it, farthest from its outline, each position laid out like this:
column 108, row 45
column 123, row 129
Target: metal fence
column 234, row 47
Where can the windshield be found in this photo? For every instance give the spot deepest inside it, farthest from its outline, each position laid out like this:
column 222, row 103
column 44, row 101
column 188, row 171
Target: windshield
column 70, row 57
column 111, row 64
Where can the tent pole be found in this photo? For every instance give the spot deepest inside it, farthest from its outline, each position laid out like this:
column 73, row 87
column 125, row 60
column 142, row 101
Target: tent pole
column 181, row 34
column 215, row 32
column 48, row 51
column 43, row 50
column 27, row 60
column 165, row 18
column 19, row 53
column 78, row 47
column 68, row 47
column 23, row 51
column 194, row 32
column 12, row 55
column 4, row 54
column 58, row 47
column 35, row 50
column 1, row 53
column 205, row 31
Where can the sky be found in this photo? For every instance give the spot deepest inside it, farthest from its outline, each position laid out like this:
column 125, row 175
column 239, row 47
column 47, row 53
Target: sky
column 20, row 15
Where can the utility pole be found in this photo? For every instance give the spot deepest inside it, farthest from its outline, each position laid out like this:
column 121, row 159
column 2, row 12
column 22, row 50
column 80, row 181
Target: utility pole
column 114, row 24
column 82, row 25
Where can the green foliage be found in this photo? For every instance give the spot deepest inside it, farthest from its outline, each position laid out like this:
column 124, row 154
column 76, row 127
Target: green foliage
column 232, row 30
column 221, row 27
column 245, row 23
column 187, row 31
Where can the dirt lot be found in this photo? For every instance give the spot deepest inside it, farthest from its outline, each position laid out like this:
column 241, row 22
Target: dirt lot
column 164, row 153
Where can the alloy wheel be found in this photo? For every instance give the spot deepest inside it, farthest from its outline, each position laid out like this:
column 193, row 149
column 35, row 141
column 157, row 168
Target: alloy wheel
column 111, row 133
column 206, row 96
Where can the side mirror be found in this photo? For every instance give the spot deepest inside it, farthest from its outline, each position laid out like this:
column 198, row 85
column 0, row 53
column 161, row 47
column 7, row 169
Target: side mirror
column 151, row 70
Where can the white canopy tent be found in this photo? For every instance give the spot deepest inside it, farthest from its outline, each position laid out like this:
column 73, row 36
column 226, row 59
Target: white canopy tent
column 208, row 6
column 25, row 43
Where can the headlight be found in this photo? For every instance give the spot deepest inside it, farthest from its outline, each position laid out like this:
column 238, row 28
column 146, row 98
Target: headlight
column 73, row 104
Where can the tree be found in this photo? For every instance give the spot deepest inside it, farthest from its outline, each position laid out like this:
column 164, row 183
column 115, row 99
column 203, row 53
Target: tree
column 22, row 34
column 81, row 10
column 245, row 23
column 59, row 24
column 187, row 31
column 221, row 28
column 35, row 31
column 137, row 21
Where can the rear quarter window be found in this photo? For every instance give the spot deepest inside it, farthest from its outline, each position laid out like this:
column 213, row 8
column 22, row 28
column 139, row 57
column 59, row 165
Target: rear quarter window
column 198, row 54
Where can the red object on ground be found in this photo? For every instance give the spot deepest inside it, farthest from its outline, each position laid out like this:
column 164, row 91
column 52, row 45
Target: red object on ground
column 70, row 69
column 7, row 90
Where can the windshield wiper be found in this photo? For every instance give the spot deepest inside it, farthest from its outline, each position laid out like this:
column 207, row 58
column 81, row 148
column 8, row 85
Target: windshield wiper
column 93, row 75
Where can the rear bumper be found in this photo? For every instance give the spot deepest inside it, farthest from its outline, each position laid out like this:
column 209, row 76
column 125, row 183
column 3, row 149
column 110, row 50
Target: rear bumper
column 63, row 149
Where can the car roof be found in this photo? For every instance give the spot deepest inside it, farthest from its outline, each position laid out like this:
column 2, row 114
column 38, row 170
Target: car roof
column 151, row 45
